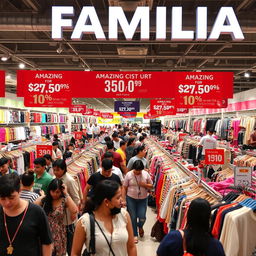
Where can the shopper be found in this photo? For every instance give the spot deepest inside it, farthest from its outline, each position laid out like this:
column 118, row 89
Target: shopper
column 48, row 159
column 5, row 167
column 130, row 149
column 252, row 140
column 28, row 221
column 196, row 239
column 140, row 142
column 113, row 229
column 105, row 174
column 56, row 152
column 42, row 178
column 116, row 140
column 56, row 204
column 60, row 172
column 207, row 142
column 27, row 183
column 68, row 152
column 141, row 153
column 96, row 131
column 89, row 131
column 121, row 150
column 137, row 183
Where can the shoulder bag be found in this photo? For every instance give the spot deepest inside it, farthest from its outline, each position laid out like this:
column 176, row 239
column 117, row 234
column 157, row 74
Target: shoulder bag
column 91, row 250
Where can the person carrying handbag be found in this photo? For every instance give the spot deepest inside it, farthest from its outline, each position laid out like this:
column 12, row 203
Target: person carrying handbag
column 111, row 225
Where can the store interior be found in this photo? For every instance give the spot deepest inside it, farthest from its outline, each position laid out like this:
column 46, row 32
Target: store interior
column 173, row 141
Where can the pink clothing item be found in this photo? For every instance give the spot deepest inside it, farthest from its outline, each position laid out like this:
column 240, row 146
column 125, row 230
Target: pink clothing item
column 131, row 181
column 2, row 134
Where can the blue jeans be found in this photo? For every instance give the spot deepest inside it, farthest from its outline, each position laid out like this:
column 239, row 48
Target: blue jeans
column 137, row 209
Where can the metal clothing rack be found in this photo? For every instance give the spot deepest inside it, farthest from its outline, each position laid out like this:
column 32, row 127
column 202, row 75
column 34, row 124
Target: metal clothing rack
column 204, row 185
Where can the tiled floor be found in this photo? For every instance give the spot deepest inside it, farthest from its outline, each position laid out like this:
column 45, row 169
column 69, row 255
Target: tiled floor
column 147, row 246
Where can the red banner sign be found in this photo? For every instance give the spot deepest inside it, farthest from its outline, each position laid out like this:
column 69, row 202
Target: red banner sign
column 203, row 89
column 77, row 109
column 214, row 156
column 78, row 135
column 182, row 136
column 162, row 107
column 96, row 113
column 42, row 150
column 150, row 116
column 2, row 83
column 107, row 115
column 89, row 112
column 45, row 88
column 182, row 110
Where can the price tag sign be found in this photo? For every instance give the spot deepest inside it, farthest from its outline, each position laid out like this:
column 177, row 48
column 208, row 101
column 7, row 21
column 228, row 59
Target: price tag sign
column 42, row 150
column 77, row 109
column 214, row 156
column 182, row 110
column 107, row 115
column 96, row 113
column 203, row 90
column 45, row 88
column 162, row 107
column 78, row 135
column 182, row 136
column 243, row 176
column 127, row 106
column 89, row 112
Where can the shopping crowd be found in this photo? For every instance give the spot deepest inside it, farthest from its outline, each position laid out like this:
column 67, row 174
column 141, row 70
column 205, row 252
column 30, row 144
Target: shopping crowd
column 43, row 213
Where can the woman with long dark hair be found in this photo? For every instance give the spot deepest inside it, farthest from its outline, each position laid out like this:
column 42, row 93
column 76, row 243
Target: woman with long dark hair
column 113, row 228
column 196, row 239
column 56, row 204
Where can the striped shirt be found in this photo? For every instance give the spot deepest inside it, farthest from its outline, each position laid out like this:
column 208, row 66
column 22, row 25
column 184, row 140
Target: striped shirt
column 28, row 195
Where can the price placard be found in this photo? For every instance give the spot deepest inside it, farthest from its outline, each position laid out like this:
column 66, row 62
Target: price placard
column 45, row 88
column 148, row 115
column 214, row 156
column 107, row 115
column 127, row 106
column 77, row 109
column 78, row 135
column 42, row 150
column 89, row 112
column 96, row 113
column 243, row 176
column 162, row 107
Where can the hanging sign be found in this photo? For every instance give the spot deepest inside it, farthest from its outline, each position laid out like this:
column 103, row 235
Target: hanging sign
column 128, row 114
column 148, row 115
column 182, row 110
column 42, row 150
column 243, row 176
column 2, row 83
column 77, row 109
column 107, row 115
column 214, row 156
column 203, row 89
column 96, row 113
column 127, row 106
column 78, row 135
column 89, row 112
column 162, row 107
column 44, row 88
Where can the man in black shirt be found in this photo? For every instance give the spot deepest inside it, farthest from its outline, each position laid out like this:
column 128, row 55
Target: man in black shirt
column 24, row 226
column 104, row 174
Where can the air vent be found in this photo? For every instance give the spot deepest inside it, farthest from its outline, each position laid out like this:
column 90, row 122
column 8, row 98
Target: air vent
column 132, row 52
column 131, row 5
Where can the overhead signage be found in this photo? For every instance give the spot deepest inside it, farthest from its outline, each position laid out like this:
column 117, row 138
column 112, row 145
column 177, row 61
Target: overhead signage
column 78, row 135
column 127, row 106
column 44, row 88
column 182, row 136
column 89, row 112
column 162, row 107
column 148, row 115
column 128, row 114
column 96, row 113
column 182, row 110
column 214, row 156
column 107, row 116
column 77, row 109
column 2, row 83
column 42, row 150
column 243, row 176
column 89, row 22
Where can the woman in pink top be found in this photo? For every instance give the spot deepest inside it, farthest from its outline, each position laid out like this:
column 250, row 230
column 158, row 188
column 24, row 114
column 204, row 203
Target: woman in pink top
column 137, row 182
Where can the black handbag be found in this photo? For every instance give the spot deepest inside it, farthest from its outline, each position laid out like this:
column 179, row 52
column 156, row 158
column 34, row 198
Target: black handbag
column 91, row 250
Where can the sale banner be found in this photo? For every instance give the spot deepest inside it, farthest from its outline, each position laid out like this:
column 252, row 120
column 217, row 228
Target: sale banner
column 148, row 115
column 127, row 106
column 89, row 112
column 203, row 89
column 107, row 115
column 96, row 113
column 42, row 150
column 45, row 88
column 214, row 156
column 77, row 109
column 182, row 110
column 78, row 135
column 2, row 83
column 162, row 107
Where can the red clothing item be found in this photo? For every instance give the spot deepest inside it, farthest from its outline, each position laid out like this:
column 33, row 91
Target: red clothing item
column 117, row 159
column 216, row 226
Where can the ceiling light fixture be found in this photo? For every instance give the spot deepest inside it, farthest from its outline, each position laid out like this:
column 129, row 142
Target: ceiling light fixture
column 87, row 69
column 8, row 77
column 4, row 58
column 246, row 74
column 21, row 65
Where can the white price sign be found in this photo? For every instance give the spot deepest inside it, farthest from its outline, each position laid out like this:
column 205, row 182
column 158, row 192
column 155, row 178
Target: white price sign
column 243, row 176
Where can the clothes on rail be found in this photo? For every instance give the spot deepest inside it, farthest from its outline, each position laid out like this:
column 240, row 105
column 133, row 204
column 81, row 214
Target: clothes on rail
column 47, row 118
column 15, row 133
column 14, row 116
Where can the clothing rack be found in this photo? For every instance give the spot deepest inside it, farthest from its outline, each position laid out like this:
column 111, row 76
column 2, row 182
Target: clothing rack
column 204, row 185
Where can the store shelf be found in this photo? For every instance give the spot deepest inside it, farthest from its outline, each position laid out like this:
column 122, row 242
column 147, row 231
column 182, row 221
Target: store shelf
column 45, row 124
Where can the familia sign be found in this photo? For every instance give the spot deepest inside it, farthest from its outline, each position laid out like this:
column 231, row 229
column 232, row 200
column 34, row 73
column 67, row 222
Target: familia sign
column 88, row 22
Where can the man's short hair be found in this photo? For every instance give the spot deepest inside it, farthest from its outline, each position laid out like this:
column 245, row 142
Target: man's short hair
column 122, row 143
column 108, row 155
column 27, row 179
column 41, row 161
column 107, row 164
column 3, row 161
column 9, row 183
column 110, row 144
